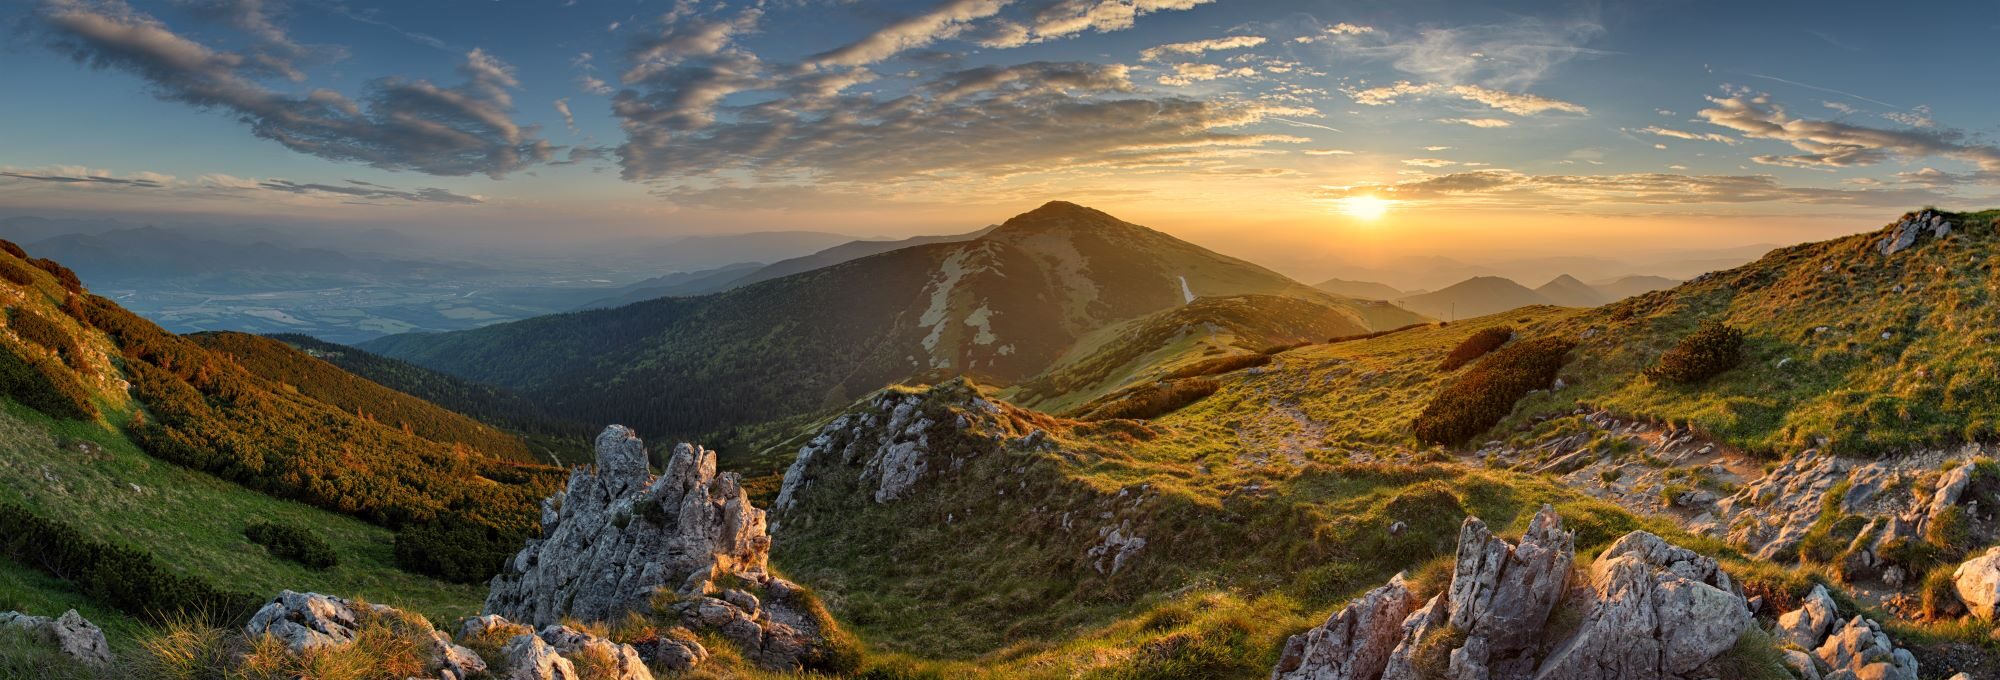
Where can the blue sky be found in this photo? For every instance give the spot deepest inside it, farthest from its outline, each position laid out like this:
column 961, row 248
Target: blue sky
column 1658, row 119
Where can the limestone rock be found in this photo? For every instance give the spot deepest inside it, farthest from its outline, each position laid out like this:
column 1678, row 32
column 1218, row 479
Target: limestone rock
column 899, row 438
column 69, row 633
column 531, row 658
column 1910, row 230
column 616, row 539
column 1659, row 611
column 672, row 653
column 1651, row 610
column 453, row 661
column 308, row 620
column 1354, row 643
column 625, row 661
column 1978, row 583
column 1808, row 625
column 1861, row 649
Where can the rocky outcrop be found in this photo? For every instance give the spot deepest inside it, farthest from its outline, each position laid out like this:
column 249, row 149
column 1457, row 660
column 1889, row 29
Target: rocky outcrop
column 1978, row 583
column 617, row 535
column 897, row 439
column 1840, row 650
column 1899, row 500
column 70, row 633
column 1354, row 643
column 309, row 621
column 618, row 540
column 1649, row 610
column 1928, row 224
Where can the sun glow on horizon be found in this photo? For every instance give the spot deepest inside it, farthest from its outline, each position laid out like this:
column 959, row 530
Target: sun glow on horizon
column 1366, row 207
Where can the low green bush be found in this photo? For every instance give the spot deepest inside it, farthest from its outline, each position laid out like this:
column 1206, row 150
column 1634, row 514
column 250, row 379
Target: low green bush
column 1220, row 365
column 122, row 578
column 455, row 549
column 63, row 275
column 43, row 383
column 1703, row 354
column 1486, row 394
column 293, row 543
column 1476, row 346
column 1151, row 400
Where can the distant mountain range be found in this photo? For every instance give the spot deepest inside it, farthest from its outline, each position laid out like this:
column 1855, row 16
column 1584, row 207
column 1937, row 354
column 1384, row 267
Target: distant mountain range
column 704, row 282
column 1002, row 306
column 1483, row 295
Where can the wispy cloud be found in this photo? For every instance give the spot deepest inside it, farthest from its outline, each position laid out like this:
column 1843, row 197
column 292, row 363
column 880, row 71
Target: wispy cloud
column 398, row 123
column 1835, row 144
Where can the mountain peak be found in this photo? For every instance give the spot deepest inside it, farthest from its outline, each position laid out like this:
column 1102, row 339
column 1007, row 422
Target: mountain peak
column 1060, row 215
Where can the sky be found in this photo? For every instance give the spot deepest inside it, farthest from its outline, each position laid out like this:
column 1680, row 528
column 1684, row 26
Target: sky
column 1275, row 129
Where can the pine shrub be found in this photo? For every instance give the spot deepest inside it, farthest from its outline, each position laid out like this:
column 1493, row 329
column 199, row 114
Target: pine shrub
column 1152, row 400
column 1476, row 346
column 293, row 543
column 1710, row 350
column 42, row 383
column 15, row 273
column 455, row 549
column 42, row 331
column 63, row 275
column 12, row 248
column 1220, row 365
column 122, row 578
column 1486, row 394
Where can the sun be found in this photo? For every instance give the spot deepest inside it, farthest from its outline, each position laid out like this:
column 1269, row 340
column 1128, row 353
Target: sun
column 1366, row 207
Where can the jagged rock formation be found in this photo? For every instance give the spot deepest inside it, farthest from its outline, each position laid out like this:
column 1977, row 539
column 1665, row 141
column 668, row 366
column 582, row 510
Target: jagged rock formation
column 1914, row 228
column 618, row 540
column 70, row 633
column 1629, row 461
column 1651, row 610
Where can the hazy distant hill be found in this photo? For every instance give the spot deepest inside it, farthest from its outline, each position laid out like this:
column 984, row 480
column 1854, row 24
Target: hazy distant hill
column 1477, row 296
column 1002, row 306
column 1624, row 287
column 704, row 282
column 1360, row 290
column 1566, row 291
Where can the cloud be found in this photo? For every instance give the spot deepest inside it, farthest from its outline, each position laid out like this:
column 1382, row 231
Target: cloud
column 1916, row 117
column 946, row 20
column 398, row 123
column 1327, row 152
column 271, row 49
column 1428, row 162
column 1693, row 136
column 569, row 119
column 369, row 191
column 219, row 185
column 1199, row 47
column 81, row 178
column 1065, row 18
column 1038, row 117
column 1488, row 123
column 1517, row 103
column 1509, row 56
column 1833, row 144
column 1187, row 74
column 1507, row 187
column 1344, row 28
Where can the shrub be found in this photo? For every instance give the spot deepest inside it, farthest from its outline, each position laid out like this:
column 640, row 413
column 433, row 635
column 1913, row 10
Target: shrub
column 1486, row 394
column 1220, row 365
column 122, row 578
column 1283, row 348
column 43, row 384
column 455, row 549
column 42, row 331
column 293, row 543
column 1486, row 340
column 15, row 273
column 1151, row 400
column 13, row 249
column 63, row 275
column 1371, row 336
column 1710, row 350
column 1940, row 594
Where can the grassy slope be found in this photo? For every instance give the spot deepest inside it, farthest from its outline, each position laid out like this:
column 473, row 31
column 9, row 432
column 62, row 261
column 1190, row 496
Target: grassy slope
column 193, row 522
